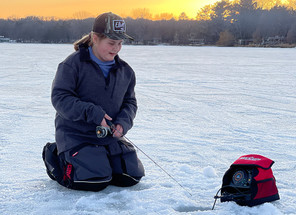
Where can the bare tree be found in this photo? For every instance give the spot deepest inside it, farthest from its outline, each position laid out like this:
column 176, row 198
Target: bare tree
column 82, row 15
column 226, row 39
column 183, row 16
column 141, row 13
column 291, row 35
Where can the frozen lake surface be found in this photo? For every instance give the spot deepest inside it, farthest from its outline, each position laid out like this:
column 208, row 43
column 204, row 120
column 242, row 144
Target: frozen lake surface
column 200, row 108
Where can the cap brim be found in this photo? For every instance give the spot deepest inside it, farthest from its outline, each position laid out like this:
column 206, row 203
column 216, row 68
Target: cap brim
column 120, row 36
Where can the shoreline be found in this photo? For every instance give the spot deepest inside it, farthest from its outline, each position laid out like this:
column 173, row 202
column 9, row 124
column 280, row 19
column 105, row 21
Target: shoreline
column 282, row 45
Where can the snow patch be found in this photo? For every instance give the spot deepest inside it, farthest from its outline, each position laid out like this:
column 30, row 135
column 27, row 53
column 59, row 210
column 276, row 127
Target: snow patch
column 209, row 172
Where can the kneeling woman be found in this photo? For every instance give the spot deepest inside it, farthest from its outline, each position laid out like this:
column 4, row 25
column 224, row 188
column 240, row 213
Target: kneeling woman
column 92, row 87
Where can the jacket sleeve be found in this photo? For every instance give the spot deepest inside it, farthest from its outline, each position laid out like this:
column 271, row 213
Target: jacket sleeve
column 66, row 101
column 129, row 107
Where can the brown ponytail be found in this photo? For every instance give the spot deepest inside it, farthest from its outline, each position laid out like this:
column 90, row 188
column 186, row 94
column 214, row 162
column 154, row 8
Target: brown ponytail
column 87, row 40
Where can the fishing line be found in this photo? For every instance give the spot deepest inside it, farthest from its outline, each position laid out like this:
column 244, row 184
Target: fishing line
column 112, row 126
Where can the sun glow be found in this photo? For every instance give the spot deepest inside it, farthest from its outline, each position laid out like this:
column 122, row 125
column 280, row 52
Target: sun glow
column 67, row 9
column 151, row 9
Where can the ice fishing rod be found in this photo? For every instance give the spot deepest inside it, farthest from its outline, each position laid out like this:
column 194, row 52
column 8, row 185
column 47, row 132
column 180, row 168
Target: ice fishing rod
column 103, row 132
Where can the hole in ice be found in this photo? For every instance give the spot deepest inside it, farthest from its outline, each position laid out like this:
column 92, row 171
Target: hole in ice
column 167, row 185
column 191, row 209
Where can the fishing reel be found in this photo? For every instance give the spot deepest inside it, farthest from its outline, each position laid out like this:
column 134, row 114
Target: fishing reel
column 102, row 131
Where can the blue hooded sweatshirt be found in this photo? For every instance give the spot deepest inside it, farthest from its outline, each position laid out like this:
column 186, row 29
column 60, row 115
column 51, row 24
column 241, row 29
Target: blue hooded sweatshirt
column 82, row 96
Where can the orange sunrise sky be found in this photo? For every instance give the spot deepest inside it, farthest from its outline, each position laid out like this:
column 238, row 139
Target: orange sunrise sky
column 67, row 9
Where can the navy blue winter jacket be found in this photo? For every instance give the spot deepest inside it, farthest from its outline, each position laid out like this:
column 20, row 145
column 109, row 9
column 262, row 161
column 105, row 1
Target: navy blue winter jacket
column 82, row 96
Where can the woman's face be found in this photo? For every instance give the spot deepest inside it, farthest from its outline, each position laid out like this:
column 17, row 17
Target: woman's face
column 106, row 49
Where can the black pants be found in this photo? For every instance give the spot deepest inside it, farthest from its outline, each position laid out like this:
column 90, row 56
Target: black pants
column 93, row 167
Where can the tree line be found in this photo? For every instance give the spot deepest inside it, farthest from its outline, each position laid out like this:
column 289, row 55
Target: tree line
column 224, row 23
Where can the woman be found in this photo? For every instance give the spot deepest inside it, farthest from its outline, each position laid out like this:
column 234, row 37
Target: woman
column 93, row 87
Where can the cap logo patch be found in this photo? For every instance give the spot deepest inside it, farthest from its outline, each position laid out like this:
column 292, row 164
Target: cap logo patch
column 118, row 25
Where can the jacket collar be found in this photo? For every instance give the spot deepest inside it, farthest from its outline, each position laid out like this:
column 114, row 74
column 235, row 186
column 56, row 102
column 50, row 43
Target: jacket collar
column 85, row 56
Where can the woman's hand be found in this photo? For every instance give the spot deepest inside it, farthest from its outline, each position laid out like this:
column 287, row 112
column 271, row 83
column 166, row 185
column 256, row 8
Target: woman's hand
column 104, row 123
column 118, row 131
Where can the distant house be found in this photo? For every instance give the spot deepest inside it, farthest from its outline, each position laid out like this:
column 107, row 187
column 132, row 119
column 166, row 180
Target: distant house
column 4, row 39
column 196, row 42
column 274, row 40
column 155, row 41
column 245, row 42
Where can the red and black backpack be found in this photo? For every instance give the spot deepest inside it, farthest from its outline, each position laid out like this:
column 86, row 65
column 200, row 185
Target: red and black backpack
column 249, row 181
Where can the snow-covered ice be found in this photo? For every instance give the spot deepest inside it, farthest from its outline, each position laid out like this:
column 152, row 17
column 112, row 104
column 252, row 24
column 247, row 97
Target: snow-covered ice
column 200, row 108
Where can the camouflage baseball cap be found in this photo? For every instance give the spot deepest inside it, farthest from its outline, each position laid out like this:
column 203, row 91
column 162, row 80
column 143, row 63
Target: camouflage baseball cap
column 111, row 25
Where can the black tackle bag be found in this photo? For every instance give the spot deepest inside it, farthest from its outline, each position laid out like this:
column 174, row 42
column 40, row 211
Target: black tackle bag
column 249, row 181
